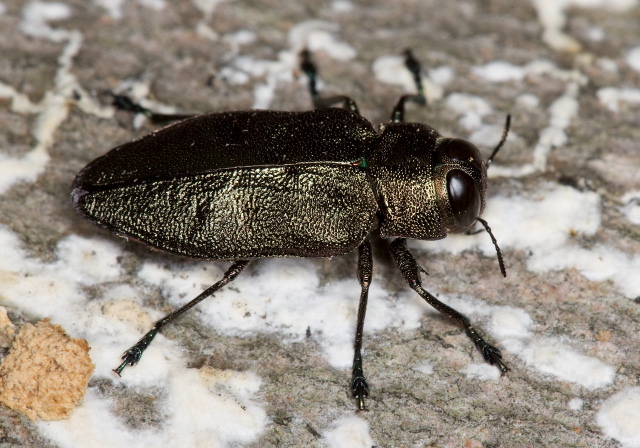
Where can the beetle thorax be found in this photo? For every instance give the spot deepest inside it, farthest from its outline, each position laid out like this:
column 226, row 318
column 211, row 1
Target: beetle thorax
column 402, row 173
column 426, row 186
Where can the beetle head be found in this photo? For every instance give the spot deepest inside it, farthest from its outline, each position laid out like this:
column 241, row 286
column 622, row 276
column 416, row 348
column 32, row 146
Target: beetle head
column 427, row 186
column 461, row 171
column 460, row 182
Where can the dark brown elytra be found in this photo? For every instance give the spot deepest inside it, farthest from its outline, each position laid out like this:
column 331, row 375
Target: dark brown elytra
column 253, row 184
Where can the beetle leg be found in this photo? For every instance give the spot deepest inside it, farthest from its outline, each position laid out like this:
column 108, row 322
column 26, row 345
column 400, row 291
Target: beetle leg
column 359, row 385
column 309, row 68
column 124, row 102
column 412, row 64
column 411, row 272
column 133, row 355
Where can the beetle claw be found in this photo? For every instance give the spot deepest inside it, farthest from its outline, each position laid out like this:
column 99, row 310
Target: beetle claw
column 490, row 353
column 130, row 358
column 494, row 357
column 133, row 355
column 360, row 391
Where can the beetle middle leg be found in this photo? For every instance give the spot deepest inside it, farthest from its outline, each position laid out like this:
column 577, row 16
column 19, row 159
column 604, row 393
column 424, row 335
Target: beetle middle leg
column 133, row 355
column 319, row 102
column 410, row 270
column 359, row 385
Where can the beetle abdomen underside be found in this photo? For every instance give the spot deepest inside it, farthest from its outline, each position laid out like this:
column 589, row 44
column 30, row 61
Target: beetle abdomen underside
column 304, row 210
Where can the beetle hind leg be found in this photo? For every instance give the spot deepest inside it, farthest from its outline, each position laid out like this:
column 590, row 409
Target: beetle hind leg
column 359, row 385
column 320, row 102
column 124, row 102
column 491, row 354
column 132, row 356
column 410, row 270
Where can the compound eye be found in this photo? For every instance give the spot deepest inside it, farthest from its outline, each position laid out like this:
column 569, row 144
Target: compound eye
column 462, row 151
column 464, row 197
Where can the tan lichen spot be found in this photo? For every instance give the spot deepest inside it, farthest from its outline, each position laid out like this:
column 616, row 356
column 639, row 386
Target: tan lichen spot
column 604, row 336
column 129, row 312
column 46, row 372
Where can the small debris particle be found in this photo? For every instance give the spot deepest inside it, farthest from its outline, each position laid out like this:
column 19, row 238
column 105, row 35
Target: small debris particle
column 604, row 336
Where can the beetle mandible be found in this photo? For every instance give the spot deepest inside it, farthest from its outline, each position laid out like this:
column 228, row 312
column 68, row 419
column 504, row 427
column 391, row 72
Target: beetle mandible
column 243, row 185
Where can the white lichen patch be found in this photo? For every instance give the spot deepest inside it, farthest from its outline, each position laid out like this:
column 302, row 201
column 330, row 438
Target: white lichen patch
column 348, row 432
column 619, row 417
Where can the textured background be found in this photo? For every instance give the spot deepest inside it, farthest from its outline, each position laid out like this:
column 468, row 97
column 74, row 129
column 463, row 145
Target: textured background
column 203, row 56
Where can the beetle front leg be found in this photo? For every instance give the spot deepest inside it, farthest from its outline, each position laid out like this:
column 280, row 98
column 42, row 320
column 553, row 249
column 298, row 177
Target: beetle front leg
column 411, row 272
column 132, row 356
column 309, row 68
column 359, row 385
column 412, row 64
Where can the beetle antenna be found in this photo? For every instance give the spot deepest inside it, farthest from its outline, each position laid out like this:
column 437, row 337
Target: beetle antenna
column 505, row 131
column 495, row 243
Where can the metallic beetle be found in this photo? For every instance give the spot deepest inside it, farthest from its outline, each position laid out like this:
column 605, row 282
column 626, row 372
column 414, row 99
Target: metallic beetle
column 255, row 184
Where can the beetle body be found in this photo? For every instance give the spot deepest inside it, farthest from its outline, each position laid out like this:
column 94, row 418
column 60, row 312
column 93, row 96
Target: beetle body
column 253, row 184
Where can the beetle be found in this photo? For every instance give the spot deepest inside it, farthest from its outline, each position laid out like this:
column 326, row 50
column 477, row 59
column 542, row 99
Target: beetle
column 245, row 185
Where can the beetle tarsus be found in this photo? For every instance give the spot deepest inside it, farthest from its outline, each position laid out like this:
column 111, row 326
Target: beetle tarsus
column 359, row 385
column 132, row 356
column 410, row 270
column 360, row 390
column 412, row 64
column 124, row 102
column 319, row 102
column 490, row 353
